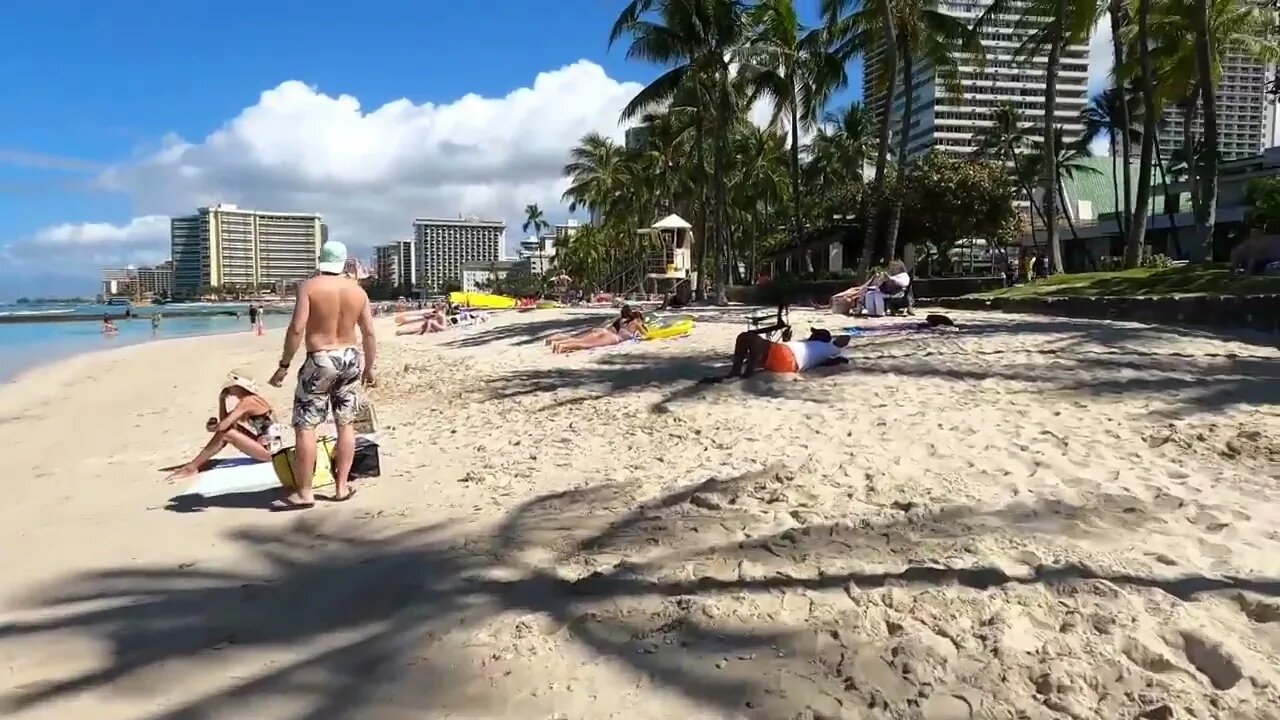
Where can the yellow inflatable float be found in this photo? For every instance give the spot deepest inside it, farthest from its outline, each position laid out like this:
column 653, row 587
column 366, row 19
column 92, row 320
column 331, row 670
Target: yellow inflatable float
column 666, row 328
column 483, row 300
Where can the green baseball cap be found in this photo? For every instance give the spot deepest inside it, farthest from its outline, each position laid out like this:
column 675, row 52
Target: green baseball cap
column 333, row 258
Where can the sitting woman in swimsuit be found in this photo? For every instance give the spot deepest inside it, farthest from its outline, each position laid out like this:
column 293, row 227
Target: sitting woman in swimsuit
column 433, row 320
column 249, row 426
column 627, row 326
column 853, row 300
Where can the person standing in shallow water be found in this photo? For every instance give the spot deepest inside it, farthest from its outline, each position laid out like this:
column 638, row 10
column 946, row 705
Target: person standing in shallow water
column 329, row 309
column 253, row 316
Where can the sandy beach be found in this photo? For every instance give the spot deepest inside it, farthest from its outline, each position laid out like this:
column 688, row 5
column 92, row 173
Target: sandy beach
column 1027, row 518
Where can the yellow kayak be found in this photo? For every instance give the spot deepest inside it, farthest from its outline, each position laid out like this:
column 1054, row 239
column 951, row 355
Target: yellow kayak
column 482, row 300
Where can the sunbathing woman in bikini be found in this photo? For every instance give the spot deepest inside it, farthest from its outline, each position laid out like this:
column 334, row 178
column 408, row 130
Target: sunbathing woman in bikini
column 433, row 320
column 249, row 426
column 627, row 326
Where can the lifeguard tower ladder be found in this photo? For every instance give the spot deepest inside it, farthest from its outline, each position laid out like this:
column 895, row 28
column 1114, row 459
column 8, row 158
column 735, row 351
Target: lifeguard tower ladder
column 671, row 255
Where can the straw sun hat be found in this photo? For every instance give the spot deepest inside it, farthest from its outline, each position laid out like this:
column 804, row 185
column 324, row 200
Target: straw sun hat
column 236, row 378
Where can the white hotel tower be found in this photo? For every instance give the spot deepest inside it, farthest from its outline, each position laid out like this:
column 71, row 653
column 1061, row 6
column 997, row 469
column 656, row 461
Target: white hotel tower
column 443, row 245
column 954, row 121
column 1247, row 115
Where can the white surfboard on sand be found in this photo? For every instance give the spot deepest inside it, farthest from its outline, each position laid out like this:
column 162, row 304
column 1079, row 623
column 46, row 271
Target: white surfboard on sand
column 234, row 475
column 243, row 475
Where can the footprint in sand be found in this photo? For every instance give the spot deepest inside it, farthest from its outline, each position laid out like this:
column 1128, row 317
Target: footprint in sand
column 1209, row 656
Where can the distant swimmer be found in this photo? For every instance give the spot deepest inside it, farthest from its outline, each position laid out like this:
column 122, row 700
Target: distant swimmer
column 155, row 322
column 108, row 327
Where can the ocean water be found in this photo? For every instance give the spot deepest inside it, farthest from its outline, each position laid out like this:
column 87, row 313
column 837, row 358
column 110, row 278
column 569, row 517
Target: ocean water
column 26, row 345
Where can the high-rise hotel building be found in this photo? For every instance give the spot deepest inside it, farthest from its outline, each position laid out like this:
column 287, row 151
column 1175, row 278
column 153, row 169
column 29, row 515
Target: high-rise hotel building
column 224, row 245
column 138, row 281
column 1246, row 112
column 953, row 122
column 444, row 244
column 395, row 263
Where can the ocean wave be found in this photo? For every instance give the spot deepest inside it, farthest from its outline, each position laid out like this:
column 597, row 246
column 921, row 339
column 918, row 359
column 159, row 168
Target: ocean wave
column 14, row 313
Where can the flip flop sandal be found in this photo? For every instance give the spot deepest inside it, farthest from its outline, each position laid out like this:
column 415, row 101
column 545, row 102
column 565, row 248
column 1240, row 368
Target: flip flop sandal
column 350, row 494
column 289, row 505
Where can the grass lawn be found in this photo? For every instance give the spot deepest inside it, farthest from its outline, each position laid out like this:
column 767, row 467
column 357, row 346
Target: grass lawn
column 1185, row 280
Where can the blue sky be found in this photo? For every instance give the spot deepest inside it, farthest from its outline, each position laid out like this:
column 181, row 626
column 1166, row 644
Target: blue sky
column 93, row 85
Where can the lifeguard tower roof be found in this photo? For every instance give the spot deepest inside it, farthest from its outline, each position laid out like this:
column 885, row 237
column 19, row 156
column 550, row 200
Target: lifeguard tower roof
column 672, row 222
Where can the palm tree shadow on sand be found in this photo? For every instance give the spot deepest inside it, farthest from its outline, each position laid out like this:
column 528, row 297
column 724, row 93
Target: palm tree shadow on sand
column 384, row 623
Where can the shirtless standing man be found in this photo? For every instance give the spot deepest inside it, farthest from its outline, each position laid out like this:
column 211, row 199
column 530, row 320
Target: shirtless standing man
column 329, row 309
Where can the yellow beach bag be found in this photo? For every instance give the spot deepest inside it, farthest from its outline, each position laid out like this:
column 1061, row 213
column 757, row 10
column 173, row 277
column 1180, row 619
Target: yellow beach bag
column 282, row 463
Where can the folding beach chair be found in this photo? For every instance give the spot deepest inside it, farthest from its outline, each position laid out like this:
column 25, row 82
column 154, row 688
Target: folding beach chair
column 782, row 321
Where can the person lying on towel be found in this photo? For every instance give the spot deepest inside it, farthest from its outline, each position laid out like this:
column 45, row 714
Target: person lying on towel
column 629, row 325
column 754, row 352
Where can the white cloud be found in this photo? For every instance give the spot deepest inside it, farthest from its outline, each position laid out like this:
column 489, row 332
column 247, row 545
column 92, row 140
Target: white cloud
column 1101, row 57
column 370, row 172
column 145, row 230
column 1101, row 63
column 71, row 248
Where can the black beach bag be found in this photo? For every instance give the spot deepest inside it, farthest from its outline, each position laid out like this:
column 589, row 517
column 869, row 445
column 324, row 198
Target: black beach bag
column 367, row 463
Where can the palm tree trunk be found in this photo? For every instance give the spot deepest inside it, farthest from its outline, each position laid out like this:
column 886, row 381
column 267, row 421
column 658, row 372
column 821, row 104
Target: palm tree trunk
column 1050, row 169
column 904, row 140
column 795, row 158
column 1189, row 153
column 1121, row 210
column 1124, row 212
column 1142, row 202
column 700, row 249
column 1170, row 201
column 753, row 271
column 889, row 66
column 1031, row 198
column 1062, row 198
column 722, row 183
column 1207, row 217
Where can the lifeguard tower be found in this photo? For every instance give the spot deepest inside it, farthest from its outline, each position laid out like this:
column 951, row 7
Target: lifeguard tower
column 671, row 254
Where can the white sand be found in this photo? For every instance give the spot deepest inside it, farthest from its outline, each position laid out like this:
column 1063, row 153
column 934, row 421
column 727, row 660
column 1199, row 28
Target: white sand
column 1029, row 518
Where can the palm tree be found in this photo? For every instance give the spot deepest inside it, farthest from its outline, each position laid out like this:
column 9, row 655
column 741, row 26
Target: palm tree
column 795, row 68
column 762, row 182
column 696, row 40
column 1189, row 72
column 1004, row 141
column 929, row 36
column 598, row 175
column 850, row 40
column 1237, row 26
column 1109, row 114
column 1072, row 161
column 1119, row 113
column 840, row 147
column 1053, row 24
column 534, row 222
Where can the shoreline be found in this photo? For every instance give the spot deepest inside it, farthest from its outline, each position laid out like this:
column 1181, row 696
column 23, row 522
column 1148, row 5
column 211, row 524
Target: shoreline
column 63, row 351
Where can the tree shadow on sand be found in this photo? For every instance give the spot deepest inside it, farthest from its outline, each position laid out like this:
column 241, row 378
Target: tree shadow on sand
column 1088, row 359
column 381, row 623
